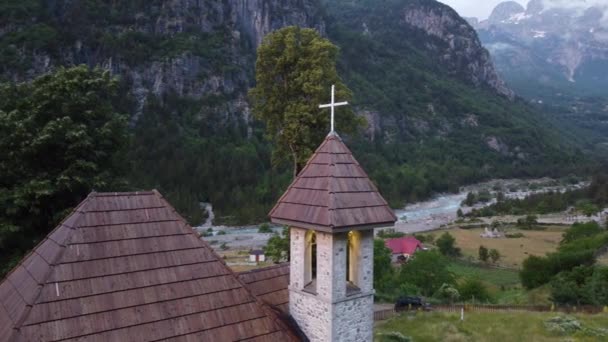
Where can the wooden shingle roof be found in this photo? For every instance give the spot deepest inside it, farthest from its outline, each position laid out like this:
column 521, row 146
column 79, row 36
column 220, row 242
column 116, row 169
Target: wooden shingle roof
column 270, row 284
column 127, row 267
column 332, row 193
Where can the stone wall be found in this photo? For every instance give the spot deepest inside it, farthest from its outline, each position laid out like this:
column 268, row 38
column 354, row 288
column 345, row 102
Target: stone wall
column 313, row 314
column 330, row 315
column 353, row 319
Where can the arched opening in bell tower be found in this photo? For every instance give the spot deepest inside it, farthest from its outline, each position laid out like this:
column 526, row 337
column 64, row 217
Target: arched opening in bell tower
column 353, row 252
column 310, row 272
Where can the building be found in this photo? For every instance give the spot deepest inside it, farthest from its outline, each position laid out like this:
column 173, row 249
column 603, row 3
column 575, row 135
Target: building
column 257, row 255
column 127, row 267
column 403, row 248
column 332, row 208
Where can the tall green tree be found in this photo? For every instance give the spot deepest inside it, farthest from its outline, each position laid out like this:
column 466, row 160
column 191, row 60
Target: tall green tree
column 295, row 69
column 277, row 248
column 383, row 270
column 428, row 271
column 484, row 253
column 60, row 138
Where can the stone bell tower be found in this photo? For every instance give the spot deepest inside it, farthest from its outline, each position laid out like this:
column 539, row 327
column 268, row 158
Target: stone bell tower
column 332, row 208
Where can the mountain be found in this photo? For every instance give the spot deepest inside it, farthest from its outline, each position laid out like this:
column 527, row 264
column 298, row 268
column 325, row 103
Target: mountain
column 191, row 49
column 438, row 113
column 554, row 53
column 567, row 46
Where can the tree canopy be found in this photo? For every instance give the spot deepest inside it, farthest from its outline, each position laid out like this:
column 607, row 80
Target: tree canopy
column 295, row 69
column 61, row 138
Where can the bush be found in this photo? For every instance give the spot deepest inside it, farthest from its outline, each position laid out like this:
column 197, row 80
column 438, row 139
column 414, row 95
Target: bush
column 473, row 289
column 390, row 233
column 514, row 235
column 535, row 272
column 581, row 230
column 221, row 232
column 425, row 238
column 383, row 270
column 447, row 294
column 447, row 245
column 494, row 255
column 484, row 254
column 427, row 271
column 264, row 228
column 528, row 222
column 563, row 325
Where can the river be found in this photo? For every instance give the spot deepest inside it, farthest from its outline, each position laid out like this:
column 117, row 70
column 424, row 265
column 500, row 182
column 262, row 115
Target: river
column 418, row 217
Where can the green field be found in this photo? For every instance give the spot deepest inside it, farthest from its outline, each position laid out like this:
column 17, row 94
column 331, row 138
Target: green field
column 495, row 276
column 503, row 327
column 503, row 284
column 513, row 251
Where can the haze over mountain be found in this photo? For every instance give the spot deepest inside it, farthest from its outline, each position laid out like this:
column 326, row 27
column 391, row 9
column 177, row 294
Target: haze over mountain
column 554, row 44
column 555, row 54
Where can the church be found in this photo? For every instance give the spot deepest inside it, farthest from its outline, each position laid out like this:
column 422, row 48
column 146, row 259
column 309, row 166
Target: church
column 128, row 267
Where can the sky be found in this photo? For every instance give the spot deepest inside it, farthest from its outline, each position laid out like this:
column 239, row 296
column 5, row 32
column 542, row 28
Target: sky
column 476, row 8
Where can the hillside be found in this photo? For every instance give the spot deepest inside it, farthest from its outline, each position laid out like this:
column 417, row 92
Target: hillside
column 439, row 115
column 554, row 54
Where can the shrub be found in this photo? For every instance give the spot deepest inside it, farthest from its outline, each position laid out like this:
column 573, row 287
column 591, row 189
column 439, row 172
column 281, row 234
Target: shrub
column 264, row 228
column 221, row 232
column 447, row 293
column 563, row 325
column 390, row 233
column 535, row 272
column 474, row 289
column 484, row 254
column 447, row 245
column 581, row 230
column 528, row 222
column 428, row 271
column 514, row 235
column 494, row 255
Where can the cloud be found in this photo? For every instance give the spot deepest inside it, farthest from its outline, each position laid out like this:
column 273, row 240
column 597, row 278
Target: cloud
column 579, row 7
column 574, row 4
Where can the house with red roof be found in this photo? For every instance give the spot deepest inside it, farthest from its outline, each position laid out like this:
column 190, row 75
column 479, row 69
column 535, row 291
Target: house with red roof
column 403, row 248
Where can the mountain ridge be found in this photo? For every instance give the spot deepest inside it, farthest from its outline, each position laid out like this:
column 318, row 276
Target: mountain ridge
column 439, row 115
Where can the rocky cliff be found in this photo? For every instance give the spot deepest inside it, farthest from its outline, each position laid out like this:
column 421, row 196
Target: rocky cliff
column 461, row 51
column 199, row 49
column 195, row 49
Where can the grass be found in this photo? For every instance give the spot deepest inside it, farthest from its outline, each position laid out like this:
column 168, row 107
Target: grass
column 503, row 284
column 513, row 251
column 504, row 327
column 498, row 277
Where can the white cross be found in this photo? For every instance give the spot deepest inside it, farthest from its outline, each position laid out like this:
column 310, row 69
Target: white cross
column 333, row 105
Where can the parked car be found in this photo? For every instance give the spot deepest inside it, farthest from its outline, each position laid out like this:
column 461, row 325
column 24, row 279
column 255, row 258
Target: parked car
column 411, row 303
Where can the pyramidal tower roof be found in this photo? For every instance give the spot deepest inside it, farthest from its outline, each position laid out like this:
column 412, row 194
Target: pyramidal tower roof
column 333, row 194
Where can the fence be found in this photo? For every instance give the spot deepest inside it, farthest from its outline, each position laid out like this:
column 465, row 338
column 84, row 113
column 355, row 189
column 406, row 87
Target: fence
column 381, row 315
